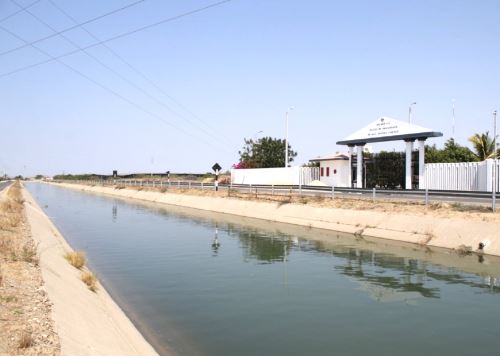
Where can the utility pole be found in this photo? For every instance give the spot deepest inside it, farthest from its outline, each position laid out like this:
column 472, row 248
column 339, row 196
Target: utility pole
column 453, row 117
column 286, row 136
column 494, row 183
column 409, row 111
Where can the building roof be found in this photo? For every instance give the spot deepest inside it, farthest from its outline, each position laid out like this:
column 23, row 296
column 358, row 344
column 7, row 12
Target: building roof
column 388, row 129
column 331, row 157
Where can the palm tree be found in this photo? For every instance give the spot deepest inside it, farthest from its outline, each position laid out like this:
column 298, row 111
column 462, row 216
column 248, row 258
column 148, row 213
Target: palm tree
column 483, row 146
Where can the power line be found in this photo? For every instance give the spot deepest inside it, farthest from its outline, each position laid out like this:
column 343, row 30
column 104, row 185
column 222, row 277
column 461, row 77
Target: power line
column 173, row 18
column 111, row 69
column 20, row 10
column 102, row 86
column 27, row 43
column 141, row 74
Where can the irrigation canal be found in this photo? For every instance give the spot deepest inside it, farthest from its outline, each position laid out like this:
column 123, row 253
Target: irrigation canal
column 275, row 289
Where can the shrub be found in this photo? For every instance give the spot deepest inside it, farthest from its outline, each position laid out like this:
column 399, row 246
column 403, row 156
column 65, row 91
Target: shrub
column 75, row 258
column 25, row 340
column 90, row 280
column 29, row 254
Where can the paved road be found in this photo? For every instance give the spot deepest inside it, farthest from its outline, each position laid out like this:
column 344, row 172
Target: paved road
column 4, row 185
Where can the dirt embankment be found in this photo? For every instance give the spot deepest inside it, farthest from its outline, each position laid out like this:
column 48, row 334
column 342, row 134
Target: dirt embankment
column 26, row 325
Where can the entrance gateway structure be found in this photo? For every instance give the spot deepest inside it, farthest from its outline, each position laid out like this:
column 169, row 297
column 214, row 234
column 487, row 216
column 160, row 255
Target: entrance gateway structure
column 388, row 129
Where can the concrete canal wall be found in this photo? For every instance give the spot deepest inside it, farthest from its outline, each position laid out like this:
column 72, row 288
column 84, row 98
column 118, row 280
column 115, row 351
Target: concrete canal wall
column 87, row 323
column 458, row 233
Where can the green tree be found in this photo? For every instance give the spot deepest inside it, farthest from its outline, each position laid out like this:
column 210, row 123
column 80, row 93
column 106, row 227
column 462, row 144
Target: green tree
column 385, row 169
column 266, row 152
column 451, row 153
column 483, row 145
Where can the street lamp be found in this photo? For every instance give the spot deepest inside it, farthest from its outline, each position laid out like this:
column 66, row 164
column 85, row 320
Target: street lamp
column 286, row 136
column 494, row 183
column 453, row 117
column 409, row 111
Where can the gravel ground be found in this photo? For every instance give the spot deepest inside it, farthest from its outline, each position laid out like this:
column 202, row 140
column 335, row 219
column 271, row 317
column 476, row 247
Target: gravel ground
column 26, row 325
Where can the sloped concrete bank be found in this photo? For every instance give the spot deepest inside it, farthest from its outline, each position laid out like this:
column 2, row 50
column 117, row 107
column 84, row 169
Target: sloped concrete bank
column 88, row 323
column 426, row 230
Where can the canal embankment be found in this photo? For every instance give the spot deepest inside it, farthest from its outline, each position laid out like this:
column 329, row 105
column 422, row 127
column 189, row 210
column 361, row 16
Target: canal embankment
column 87, row 322
column 26, row 325
column 455, row 229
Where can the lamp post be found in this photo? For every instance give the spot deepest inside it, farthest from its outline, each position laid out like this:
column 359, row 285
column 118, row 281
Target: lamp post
column 286, row 136
column 409, row 111
column 453, row 117
column 494, row 183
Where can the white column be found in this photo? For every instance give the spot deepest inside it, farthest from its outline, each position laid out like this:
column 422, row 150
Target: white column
column 359, row 175
column 351, row 151
column 409, row 149
column 421, row 163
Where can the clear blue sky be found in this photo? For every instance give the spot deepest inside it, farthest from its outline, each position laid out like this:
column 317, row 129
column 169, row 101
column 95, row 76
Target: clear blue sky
column 238, row 67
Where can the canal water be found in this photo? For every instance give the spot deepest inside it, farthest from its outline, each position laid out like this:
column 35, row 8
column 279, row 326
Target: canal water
column 199, row 283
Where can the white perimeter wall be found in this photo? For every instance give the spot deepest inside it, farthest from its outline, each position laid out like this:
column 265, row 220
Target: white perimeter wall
column 469, row 176
column 277, row 176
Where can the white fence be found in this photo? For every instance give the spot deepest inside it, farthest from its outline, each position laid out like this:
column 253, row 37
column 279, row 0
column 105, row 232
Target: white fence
column 469, row 176
column 277, row 176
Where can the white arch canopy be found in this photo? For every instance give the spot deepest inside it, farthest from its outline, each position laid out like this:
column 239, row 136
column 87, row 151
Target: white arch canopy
column 388, row 129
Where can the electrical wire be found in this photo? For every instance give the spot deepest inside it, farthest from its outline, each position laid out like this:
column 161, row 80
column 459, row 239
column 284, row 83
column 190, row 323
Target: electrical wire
column 20, row 10
column 27, row 43
column 116, row 73
column 102, row 86
column 173, row 18
column 140, row 73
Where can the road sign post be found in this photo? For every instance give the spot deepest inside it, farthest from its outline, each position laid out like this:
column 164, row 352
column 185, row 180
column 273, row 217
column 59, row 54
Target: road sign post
column 216, row 168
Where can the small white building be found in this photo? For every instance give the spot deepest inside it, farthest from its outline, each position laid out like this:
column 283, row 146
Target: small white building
column 334, row 169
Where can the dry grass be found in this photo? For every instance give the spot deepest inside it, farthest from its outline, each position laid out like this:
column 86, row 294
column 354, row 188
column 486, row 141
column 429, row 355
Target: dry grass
column 8, row 299
column 25, row 340
column 26, row 327
column 464, row 250
column 29, row 254
column 75, row 258
column 90, row 280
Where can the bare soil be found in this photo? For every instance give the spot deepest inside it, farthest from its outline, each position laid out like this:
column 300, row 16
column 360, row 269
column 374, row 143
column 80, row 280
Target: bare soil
column 26, row 326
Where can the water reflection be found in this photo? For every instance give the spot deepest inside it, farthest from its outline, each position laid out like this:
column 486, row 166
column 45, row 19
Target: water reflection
column 383, row 275
column 215, row 242
column 260, row 247
column 114, row 212
column 386, row 277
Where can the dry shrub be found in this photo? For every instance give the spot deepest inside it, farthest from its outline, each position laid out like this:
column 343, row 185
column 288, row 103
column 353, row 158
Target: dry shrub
column 75, row 258
column 163, row 190
column 90, row 280
column 464, row 250
column 26, row 340
column 29, row 254
column 119, row 187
